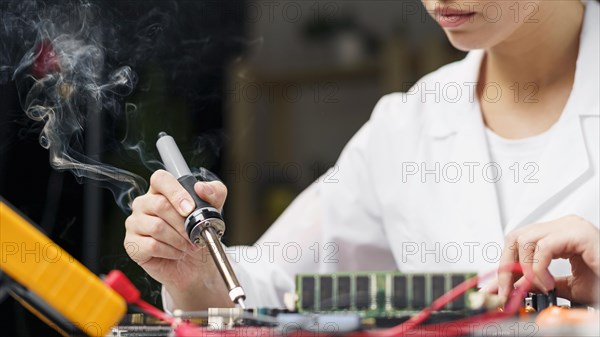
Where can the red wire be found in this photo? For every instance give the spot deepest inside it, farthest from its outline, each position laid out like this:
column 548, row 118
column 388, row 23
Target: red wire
column 123, row 286
column 454, row 328
column 153, row 311
column 510, row 309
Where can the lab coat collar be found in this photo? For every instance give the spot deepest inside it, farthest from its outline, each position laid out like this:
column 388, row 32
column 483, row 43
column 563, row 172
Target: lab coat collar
column 568, row 144
column 478, row 207
column 452, row 116
column 563, row 167
column 583, row 99
column 565, row 164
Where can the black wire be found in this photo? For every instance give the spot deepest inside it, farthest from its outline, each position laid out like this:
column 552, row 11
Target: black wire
column 4, row 286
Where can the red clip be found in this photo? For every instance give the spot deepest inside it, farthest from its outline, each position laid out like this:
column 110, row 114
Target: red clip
column 121, row 284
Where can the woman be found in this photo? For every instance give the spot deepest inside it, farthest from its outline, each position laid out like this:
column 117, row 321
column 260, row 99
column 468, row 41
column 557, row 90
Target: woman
column 506, row 138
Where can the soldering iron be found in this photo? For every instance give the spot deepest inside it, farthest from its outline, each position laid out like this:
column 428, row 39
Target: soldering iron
column 204, row 225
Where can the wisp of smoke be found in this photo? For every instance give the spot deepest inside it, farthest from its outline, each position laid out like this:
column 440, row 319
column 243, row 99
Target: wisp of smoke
column 67, row 59
column 62, row 82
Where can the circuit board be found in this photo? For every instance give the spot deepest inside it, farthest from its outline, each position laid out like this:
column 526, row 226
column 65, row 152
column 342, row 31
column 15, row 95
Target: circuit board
column 376, row 294
column 360, row 316
column 266, row 322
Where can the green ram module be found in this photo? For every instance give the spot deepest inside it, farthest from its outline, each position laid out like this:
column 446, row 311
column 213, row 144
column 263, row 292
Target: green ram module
column 376, row 294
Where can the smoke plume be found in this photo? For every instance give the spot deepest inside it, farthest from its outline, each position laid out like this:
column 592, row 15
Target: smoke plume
column 63, row 81
column 74, row 62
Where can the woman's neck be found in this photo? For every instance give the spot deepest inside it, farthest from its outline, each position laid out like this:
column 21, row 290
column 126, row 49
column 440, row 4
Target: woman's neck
column 542, row 52
column 535, row 69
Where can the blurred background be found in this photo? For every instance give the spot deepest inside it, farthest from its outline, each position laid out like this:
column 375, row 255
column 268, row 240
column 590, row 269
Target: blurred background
column 262, row 93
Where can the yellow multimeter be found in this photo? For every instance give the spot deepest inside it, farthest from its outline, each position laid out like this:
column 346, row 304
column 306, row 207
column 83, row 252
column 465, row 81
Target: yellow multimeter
column 51, row 283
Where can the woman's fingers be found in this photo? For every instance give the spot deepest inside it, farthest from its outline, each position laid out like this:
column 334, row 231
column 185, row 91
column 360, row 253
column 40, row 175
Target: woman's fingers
column 490, row 288
column 157, row 228
column 509, row 256
column 563, row 286
column 535, row 246
column 160, row 214
column 528, row 249
column 162, row 182
column 547, row 249
column 213, row 192
column 159, row 206
column 521, row 246
column 142, row 249
column 533, row 287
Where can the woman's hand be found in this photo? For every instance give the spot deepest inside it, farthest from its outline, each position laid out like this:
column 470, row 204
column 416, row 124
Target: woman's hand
column 535, row 246
column 156, row 239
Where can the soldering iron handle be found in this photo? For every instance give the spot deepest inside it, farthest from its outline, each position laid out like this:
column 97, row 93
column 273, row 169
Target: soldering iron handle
column 188, row 183
column 176, row 165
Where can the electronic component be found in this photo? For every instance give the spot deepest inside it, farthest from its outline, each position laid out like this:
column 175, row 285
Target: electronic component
column 538, row 302
column 281, row 319
column 259, row 316
column 51, row 283
column 376, row 294
column 440, row 315
column 205, row 224
column 485, row 301
column 224, row 318
column 325, row 323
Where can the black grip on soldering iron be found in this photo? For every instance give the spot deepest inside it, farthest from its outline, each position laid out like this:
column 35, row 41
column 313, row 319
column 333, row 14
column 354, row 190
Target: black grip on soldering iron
column 188, row 183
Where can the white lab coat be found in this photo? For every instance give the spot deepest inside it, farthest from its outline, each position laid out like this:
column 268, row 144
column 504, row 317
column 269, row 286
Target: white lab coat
column 372, row 212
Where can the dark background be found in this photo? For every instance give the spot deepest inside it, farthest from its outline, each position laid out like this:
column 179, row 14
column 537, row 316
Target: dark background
column 263, row 94
column 179, row 49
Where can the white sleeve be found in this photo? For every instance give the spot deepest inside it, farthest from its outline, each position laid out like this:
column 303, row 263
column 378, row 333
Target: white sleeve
column 266, row 270
column 334, row 225
column 352, row 213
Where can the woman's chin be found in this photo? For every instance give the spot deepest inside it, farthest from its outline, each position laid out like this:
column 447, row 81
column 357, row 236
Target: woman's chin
column 466, row 41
